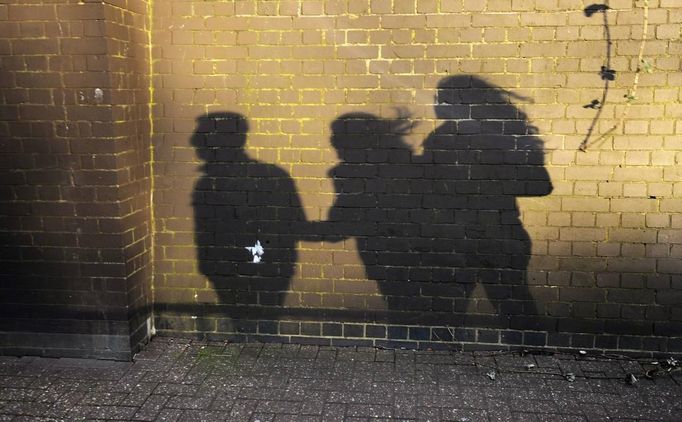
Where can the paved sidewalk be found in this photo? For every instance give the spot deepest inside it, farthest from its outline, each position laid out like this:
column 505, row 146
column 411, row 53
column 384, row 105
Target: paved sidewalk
column 176, row 379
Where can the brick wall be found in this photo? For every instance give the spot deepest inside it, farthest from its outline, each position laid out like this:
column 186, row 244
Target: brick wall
column 414, row 171
column 311, row 126
column 74, row 178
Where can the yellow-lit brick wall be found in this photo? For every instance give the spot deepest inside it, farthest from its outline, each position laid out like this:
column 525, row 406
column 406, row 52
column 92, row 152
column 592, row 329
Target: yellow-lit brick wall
column 605, row 244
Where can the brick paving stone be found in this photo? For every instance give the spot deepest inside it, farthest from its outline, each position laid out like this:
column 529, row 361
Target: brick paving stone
column 594, row 411
column 242, row 409
column 278, row 407
column 151, row 408
column 334, row 412
column 405, row 407
column 312, row 407
column 50, row 395
column 469, row 415
column 428, row 413
column 32, row 409
column 102, row 398
column 169, row 415
column 113, row 412
column 223, row 402
column 78, row 412
column 262, row 417
column 369, row 410
column 297, row 418
column 191, row 380
column 202, row 415
column 18, row 394
column 198, row 402
column 175, row 389
column 498, row 410
column 15, row 381
column 139, row 394
column 471, row 398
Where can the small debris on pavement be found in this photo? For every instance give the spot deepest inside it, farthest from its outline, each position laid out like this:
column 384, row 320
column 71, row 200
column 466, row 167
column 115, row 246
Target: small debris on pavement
column 201, row 374
column 630, row 379
column 530, row 366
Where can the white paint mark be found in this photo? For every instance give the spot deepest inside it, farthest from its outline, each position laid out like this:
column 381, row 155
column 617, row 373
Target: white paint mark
column 99, row 96
column 150, row 327
column 257, row 251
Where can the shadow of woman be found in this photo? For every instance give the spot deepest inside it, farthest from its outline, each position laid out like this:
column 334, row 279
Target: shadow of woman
column 379, row 203
column 240, row 203
column 432, row 227
column 486, row 153
column 374, row 160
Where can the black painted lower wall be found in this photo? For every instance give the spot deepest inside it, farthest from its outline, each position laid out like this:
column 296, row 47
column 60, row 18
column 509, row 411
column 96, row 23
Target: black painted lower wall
column 443, row 331
column 425, row 337
column 68, row 332
column 116, row 347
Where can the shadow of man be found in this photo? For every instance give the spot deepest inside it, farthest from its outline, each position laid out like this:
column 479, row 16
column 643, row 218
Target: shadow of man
column 240, row 202
column 487, row 154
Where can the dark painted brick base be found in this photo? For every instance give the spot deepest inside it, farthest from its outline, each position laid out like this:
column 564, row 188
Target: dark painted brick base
column 114, row 347
column 434, row 338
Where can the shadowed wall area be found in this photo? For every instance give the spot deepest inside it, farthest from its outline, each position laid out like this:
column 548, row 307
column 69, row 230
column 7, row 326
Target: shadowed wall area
column 75, row 215
column 239, row 201
column 428, row 228
column 444, row 174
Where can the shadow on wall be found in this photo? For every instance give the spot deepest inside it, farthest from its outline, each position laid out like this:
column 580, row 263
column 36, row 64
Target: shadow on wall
column 429, row 228
column 240, row 204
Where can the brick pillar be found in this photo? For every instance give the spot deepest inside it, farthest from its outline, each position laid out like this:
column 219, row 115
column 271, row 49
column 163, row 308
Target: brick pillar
column 74, row 179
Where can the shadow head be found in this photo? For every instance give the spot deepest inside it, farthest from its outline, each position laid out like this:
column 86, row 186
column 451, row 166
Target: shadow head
column 456, row 96
column 219, row 130
column 355, row 131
